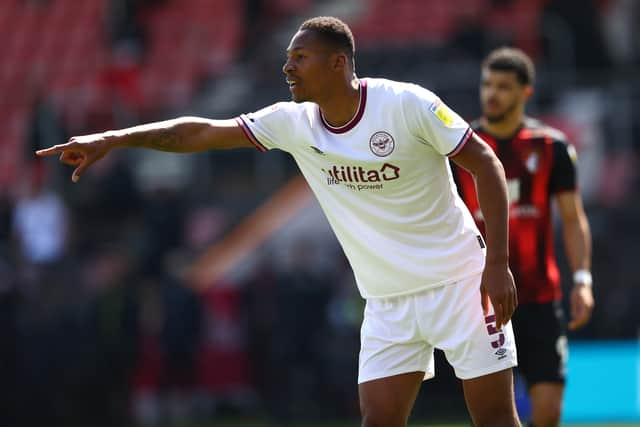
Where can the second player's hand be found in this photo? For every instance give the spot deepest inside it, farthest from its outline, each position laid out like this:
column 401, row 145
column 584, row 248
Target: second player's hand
column 499, row 287
column 581, row 301
column 80, row 151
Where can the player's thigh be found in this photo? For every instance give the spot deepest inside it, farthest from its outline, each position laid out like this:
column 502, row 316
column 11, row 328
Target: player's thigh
column 390, row 341
column 490, row 399
column 470, row 340
column 388, row 401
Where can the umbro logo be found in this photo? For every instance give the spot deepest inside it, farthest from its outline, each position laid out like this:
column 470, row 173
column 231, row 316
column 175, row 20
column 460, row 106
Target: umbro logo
column 501, row 353
column 317, row 150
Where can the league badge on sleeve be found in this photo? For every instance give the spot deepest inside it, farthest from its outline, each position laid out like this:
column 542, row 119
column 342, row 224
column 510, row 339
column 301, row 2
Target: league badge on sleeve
column 442, row 112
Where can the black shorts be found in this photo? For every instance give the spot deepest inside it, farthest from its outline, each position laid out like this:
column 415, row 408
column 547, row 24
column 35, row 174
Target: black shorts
column 541, row 342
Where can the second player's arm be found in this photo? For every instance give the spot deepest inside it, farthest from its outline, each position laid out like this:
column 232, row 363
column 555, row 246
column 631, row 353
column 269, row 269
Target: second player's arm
column 575, row 230
column 479, row 159
column 577, row 241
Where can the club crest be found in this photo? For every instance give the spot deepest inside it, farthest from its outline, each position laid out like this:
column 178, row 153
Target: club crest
column 532, row 162
column 381, row 144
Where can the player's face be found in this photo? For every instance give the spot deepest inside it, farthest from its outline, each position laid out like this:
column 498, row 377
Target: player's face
column 307, row 67
column 502, row 95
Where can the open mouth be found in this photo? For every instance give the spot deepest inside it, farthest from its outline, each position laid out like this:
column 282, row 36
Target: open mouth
column 291, row 82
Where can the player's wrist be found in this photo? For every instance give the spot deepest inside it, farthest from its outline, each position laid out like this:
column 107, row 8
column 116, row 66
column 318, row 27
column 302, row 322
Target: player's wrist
column 114, row 139
column 582, row 277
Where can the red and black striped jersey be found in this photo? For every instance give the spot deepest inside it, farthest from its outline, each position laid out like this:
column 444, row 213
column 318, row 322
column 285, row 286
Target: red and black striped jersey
column 538, row 163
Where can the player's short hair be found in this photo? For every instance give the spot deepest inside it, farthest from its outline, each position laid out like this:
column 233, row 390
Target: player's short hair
column 511, row 59
column 333, row 31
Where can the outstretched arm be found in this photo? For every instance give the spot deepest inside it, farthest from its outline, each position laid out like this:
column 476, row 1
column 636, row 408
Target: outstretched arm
column 577, row 242
column 181, row 135
column 497, row 281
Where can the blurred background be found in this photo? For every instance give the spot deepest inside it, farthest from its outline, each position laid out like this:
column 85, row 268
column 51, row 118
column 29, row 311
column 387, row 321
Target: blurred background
column 98, row 324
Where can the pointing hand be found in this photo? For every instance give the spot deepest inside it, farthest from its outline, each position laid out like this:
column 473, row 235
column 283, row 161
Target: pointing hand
column 80, row 151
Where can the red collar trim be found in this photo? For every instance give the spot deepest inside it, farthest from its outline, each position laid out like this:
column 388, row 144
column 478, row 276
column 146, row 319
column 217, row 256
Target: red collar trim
column 356, row 119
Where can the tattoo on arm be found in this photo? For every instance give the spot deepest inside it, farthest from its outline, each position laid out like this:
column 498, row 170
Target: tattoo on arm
column 164, row 140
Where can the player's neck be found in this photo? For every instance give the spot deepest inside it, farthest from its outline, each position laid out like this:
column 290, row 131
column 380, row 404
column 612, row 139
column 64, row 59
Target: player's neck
column 502, row 129
column 340, row 108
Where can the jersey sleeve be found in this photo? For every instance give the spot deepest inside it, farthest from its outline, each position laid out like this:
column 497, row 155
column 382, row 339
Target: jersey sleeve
column 434, row 123
column 563, row 172
column 268, row 128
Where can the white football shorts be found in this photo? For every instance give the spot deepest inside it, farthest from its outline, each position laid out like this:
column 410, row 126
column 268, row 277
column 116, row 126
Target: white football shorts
column 399, row 334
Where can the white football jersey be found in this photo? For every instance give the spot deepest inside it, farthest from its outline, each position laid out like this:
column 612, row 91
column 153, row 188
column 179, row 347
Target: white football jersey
column 384, row 183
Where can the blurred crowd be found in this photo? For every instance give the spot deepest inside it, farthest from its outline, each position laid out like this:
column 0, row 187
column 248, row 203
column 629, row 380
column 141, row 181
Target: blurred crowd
column 97, row 323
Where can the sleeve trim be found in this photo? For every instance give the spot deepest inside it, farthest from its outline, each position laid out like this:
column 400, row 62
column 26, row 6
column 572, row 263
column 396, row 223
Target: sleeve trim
column 250, row 136
column 462, row 143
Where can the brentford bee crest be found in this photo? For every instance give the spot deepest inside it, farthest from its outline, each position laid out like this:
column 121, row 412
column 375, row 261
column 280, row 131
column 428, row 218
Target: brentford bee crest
column 381, row 144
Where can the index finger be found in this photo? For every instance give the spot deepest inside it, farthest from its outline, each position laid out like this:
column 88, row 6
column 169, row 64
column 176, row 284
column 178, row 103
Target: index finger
column 52, row 150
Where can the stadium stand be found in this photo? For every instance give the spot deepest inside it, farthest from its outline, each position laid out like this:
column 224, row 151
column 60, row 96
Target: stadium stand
column 61, row 48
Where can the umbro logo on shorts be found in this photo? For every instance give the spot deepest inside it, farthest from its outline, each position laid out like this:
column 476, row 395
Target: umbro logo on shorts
column 501, row 353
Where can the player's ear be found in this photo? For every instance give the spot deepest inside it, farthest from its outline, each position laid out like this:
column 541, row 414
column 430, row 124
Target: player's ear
column 339, row 61
column 528, row 91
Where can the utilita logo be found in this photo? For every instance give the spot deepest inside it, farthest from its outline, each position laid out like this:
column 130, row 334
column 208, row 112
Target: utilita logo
column 351, row 174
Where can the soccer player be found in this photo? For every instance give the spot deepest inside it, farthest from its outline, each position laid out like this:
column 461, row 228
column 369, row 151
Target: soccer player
column 540, row 168
column 375, row 152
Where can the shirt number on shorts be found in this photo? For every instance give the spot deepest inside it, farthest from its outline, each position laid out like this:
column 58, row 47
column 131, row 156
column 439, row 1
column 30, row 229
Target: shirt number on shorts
column 491, row 328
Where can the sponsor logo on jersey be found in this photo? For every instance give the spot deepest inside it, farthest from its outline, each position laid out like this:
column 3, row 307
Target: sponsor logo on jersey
column 442, row 112
column 359, row 178
column 338, row 174
column 524, row 211
column 515, row 211
column 381, row 144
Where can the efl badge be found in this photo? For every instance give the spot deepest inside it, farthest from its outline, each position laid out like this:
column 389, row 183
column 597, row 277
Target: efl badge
column 381, row 144
column 442, row 112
